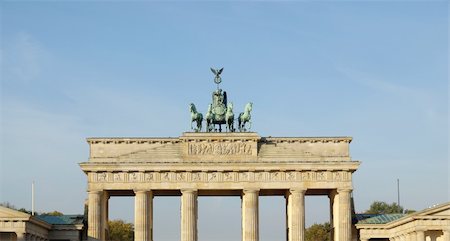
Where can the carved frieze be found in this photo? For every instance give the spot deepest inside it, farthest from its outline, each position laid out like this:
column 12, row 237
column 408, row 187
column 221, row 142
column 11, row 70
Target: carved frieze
column 219, row 176
column 220, row 147
column 223, row 148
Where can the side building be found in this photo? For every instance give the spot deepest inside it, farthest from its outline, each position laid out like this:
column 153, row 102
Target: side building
column 20, row 226
column 432, row 224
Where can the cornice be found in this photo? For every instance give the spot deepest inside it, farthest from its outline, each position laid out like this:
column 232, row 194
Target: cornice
column 349, row 166
column 214, row 136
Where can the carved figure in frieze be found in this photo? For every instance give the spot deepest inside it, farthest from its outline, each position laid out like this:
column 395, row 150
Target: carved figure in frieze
column 259, row 176
column 227, row 176
column 133, row 176
column 290, row 176
column 101, row 177
column 181, row 176
column 337, row 176
column 149, row 177
column 212, row 176
column 166, row 176
column 243, row 176
column 118, row 177
column 196, row 176
column 321, row 176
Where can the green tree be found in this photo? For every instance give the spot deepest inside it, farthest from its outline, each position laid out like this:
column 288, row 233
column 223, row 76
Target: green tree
column 378, row 207
column 23, row 210
column 318, row 232
column 9, row 205
column 119, row 230
column 54, row 213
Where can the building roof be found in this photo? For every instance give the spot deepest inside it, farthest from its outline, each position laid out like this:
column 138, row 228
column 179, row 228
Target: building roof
column 381, row 218
column 62, row 220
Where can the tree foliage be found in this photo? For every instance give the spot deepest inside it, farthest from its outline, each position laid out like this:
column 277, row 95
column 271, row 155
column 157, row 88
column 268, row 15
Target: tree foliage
column 378, row 207
column 318, row 232
column 120, row 230
column 54, row 213
column 9, row 205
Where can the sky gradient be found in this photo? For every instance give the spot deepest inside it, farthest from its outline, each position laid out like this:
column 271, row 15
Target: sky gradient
column 373, row 70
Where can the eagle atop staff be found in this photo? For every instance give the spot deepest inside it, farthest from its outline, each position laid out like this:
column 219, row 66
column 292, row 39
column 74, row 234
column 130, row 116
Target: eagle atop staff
column 217, row 72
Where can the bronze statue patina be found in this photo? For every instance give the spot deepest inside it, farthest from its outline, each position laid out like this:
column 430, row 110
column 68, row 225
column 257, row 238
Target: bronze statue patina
column 197, row 117
column 209, row 119
column 229, row 117
column 245, row 117
column 220, row 112
column 217, row 110
column 217, row 79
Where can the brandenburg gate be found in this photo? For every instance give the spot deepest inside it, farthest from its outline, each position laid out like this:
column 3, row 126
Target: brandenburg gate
column 237, row 164
column 214, row 163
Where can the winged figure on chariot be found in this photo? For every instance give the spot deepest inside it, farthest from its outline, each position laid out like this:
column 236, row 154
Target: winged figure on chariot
column 220, row 111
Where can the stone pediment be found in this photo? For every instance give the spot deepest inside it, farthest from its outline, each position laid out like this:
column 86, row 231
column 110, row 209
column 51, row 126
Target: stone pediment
column 438, row 210
column 8, row 213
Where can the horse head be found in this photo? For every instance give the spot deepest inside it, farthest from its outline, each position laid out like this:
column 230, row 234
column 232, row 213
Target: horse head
column 230, row 107
column 249, row 107
column 192, row 108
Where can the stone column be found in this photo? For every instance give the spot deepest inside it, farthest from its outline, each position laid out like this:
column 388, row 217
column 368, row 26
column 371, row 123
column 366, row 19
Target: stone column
column 446, row 235
column 104, row 215
column 296, row 214
column 143, row 215
column 345, row 216
column 94, row 215
column 189, row 212
column 420, row 235
column 250, row 213
column 20, row 236
column 334, row 215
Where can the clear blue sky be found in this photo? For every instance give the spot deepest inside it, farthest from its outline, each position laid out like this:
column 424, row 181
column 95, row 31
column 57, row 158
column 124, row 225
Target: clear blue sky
column 373, row 70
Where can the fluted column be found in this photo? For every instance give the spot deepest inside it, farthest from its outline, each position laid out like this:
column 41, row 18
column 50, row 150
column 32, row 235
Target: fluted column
column 420, row 235
column 446, row 235
column 411, row 236
column 296, row 214
column 345, row 216
column 250, row 213
column 104, row 214
column 334, row 214
column 94, row 215
column 20, row 236
column 143, row 215
column 189, row 212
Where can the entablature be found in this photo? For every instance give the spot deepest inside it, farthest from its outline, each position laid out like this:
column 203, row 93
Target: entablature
column 220, row 147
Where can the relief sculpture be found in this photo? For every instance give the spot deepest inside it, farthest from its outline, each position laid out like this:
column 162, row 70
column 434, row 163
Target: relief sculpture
column 236, row 148
column 227, row 176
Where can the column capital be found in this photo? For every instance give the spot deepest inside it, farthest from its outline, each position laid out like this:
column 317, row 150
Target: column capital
column 189, row 190
column 251, row 190
column 95, row 192
column 344, row 189
column 136, row 191
column 298, row 190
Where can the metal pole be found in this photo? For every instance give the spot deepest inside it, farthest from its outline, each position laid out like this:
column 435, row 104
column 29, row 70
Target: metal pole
column 32, row 198
column 398, row 192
